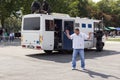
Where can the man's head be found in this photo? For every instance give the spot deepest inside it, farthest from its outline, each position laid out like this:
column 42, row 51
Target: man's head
column 77, row 31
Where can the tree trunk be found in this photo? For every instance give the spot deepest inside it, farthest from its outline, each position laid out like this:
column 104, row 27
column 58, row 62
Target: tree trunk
column 2, row 22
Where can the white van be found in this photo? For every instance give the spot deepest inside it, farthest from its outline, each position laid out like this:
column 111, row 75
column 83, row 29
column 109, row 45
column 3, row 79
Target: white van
column 47, row 32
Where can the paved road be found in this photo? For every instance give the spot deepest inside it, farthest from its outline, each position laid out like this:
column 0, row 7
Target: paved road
column 17, row 63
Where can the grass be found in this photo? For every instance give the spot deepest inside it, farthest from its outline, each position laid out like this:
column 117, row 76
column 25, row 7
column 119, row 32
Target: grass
column 114, row 39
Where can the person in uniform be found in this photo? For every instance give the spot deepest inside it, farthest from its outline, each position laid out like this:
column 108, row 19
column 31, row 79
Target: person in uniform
column 35, row 7
column 45, row 7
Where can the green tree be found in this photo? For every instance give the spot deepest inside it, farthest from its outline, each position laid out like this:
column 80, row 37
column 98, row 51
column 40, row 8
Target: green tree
column 8, row 7
column 105, row 6
column 13, row 24
column 73, row 8
column 26, row 6
column 109, row 10
column 59, row 6
column 83, row 8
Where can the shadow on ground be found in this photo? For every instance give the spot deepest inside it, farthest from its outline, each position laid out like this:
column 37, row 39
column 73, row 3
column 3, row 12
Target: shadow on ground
column 93, row 74
column 66, row 57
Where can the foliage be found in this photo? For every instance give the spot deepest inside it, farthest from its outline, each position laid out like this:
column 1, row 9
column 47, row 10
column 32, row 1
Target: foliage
column 109, row 10
column 13, row 24
column 8, row 7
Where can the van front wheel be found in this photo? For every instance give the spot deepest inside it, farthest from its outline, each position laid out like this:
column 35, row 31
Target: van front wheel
column 47, row 51
column 99, row 46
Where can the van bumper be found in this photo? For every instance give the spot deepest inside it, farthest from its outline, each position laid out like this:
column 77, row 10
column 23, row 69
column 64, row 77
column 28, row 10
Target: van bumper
column 30, row 46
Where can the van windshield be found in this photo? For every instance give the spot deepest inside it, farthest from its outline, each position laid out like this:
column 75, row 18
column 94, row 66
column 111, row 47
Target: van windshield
column 31, row 23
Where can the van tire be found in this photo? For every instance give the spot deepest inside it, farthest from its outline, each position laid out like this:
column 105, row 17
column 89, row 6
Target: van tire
column 99, row 46
column 47, row 51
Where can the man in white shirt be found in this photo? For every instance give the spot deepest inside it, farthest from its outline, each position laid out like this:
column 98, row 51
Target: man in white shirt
column 78, row 46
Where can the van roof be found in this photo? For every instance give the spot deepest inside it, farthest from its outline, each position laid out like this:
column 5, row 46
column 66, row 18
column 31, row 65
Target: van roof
column 52, row 15
column 59, row 15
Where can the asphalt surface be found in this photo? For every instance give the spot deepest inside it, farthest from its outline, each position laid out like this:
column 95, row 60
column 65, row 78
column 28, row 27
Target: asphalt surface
column 17, row 63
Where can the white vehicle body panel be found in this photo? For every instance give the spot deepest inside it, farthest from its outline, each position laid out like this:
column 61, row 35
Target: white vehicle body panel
column 46, row 38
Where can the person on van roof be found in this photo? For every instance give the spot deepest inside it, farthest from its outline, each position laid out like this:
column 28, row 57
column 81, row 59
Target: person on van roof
column 35, row 7
column 45, row 7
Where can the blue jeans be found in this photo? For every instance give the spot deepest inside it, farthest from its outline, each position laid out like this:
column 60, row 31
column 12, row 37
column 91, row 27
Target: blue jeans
column 75, row 53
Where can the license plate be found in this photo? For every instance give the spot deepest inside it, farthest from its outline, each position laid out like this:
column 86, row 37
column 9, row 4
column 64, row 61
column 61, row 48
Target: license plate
column 31, row 46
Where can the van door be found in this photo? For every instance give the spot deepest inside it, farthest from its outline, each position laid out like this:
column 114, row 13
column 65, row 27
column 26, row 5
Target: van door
column 58, row 34
column 48, row 35
column 67, row 25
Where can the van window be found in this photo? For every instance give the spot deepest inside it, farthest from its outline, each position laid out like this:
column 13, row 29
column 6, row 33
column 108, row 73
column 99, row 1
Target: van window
column 31, row 23
column 69, row 25
column 49, row 25
column 83, row 25
column 89, row 25
column 77, row 24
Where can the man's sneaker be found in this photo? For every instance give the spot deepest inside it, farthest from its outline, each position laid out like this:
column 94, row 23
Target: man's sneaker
column 83, row 69
column 73, row 68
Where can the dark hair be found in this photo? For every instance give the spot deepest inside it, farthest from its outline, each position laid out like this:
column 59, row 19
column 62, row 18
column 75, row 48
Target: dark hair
column 77, row 29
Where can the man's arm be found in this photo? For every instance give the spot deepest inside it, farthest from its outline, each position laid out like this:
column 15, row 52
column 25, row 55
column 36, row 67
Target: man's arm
column 68, row 34
column 89, row 36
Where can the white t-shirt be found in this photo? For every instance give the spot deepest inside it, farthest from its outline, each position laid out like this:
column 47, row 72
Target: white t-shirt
column 11, row 35
column 78, row 40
